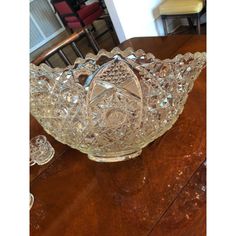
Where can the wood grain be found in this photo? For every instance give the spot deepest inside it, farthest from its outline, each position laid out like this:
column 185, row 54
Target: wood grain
column 187, row 214
column 73, row 37
column 76, row 196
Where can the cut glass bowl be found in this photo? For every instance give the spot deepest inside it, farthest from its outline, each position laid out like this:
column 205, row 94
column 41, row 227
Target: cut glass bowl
column 113, row 104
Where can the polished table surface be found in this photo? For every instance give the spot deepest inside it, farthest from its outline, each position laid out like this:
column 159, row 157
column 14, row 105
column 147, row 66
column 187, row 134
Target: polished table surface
column 160, row 193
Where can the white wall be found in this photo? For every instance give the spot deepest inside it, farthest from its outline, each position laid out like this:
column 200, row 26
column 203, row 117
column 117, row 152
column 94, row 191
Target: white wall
column 115, row 19
column 134, row 18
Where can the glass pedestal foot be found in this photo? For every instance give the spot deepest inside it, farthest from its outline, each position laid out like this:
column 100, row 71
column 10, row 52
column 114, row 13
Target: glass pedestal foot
column 115, row 158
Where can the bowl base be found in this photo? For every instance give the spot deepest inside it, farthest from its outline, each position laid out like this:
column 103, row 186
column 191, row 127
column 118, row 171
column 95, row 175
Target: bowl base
column 115, row 158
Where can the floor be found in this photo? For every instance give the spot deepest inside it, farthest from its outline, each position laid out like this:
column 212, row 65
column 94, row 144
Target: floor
column 105, row 42
column 187, row 30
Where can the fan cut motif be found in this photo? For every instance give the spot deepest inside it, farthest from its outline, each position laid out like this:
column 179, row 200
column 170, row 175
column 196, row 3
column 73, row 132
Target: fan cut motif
column 113, row 104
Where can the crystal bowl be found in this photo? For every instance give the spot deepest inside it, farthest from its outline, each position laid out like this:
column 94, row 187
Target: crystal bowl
column 113, row 104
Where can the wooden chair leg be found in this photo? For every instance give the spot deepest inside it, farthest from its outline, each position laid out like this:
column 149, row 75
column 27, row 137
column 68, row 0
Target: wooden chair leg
column 76, row 50
column 108, row 22
column 111, row 28
column 64, row 57
column 48, row 63
column 92, row 40
column 115, row 38
column 164, row 24
column 198, row 24
column 93, row 28
column 190, row 22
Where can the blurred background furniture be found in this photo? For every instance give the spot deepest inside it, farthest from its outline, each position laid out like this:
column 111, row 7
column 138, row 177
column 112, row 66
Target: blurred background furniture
column 76, row 14
column 190, row 9
column 66, row 58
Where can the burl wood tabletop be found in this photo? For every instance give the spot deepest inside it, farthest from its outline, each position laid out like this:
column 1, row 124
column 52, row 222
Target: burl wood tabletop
column 160, row 193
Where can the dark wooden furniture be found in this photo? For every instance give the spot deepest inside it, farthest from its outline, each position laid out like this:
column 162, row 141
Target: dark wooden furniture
column 71, row 40
column 76, row 15
column 160, row 193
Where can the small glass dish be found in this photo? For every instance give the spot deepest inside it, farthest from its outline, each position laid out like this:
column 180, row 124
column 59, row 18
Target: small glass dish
column 31, row 200
column 41, row 151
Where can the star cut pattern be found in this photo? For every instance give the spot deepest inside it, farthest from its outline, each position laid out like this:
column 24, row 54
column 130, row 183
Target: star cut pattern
column 111, row 111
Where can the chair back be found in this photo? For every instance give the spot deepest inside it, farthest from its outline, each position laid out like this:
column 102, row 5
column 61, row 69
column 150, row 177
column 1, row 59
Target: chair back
column 62, row 7
column 82, row 15
column 67, row 14
column 90, row 13
column 71, row 41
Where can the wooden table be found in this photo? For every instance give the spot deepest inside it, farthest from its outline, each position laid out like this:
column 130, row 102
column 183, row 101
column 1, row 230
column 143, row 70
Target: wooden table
column 160, row 193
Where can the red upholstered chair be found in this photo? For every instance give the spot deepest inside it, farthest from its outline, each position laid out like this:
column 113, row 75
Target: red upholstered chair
column 85, row 16
column 89, row 13
column 75, row 19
